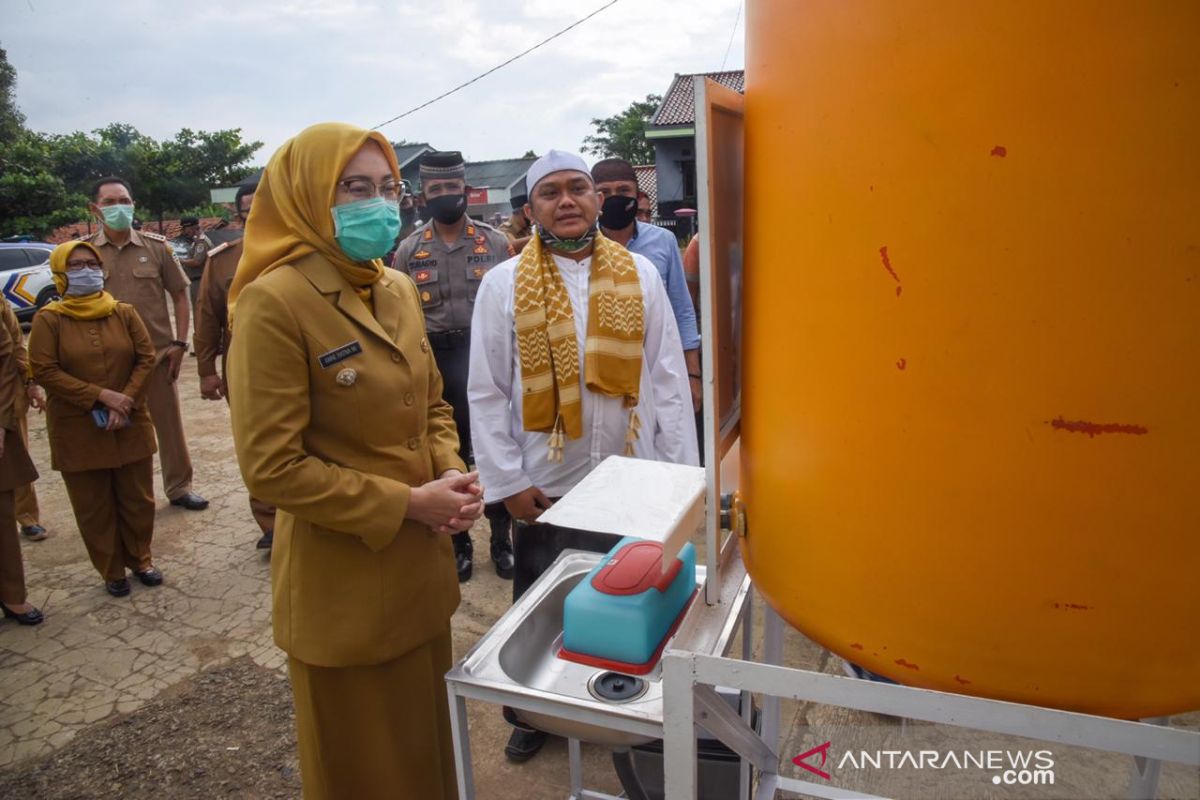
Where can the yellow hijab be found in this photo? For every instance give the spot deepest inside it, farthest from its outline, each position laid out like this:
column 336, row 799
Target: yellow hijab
column 291, row 218
column 89, row 306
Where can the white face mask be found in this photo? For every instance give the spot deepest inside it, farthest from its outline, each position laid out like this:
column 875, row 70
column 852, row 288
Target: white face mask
column 84, row 281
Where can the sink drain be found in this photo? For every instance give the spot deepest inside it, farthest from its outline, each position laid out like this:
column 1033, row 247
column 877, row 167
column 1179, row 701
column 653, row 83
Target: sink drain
column 615, row 687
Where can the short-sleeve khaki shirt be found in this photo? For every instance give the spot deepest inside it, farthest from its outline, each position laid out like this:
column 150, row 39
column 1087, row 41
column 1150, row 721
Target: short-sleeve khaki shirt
column 142, row 273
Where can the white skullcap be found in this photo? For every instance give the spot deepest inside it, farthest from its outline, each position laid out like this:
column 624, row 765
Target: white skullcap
column 554, row 161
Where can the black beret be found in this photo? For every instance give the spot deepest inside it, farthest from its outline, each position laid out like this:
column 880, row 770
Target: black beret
column 518, row 201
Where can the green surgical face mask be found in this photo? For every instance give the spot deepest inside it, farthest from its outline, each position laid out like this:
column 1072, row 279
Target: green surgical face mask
column 366, row 229
column 118, row 217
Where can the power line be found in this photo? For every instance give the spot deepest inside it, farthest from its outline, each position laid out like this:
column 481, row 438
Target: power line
column 736, row 20
column 547, row 40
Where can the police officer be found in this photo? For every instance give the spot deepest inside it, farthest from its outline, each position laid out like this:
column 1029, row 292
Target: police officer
column 447, row 257
column 198, row 245
column 518, row 229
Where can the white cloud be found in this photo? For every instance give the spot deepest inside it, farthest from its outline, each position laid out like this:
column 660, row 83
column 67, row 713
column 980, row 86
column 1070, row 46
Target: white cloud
column 271, row 67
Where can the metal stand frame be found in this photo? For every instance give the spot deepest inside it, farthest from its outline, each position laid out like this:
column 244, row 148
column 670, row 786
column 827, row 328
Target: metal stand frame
column 688, row 699
column 706, row 629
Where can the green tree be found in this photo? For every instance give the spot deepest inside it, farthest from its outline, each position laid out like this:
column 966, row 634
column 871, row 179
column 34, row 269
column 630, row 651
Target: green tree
column 624, row 135
column 33, row 200
column 12, row 121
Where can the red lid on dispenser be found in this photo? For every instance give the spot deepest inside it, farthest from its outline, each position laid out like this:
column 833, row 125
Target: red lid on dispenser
column 634, row 569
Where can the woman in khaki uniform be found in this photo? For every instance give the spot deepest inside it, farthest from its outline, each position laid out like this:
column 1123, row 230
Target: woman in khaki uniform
column 339, row 422
column 92, row 355
column 16, row 470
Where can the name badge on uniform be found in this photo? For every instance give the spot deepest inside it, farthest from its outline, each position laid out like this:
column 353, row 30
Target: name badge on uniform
column 339, row 354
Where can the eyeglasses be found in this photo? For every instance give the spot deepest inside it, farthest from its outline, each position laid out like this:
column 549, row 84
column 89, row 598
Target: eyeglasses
column 90, row 263
column 363, row 189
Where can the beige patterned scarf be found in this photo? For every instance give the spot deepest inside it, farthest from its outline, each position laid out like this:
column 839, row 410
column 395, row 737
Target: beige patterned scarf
column 548, row 350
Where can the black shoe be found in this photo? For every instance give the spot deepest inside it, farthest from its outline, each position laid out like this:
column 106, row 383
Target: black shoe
column 463, row 563
column 34, row 533
column 149, row 577
column 502, row 558
column 118, row 588
column 266, row 541
column 524, row 744
column 30, row 617
column 191, row 501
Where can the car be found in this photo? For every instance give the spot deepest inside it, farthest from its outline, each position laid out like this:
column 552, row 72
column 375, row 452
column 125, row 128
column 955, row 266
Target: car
column 25, row 277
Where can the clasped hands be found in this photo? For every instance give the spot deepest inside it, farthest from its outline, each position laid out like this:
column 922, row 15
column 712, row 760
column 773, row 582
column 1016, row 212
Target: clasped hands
column 449, row 504
column 120, row 408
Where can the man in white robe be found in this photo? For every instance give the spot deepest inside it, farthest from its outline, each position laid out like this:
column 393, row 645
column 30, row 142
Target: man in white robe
column 527, row 464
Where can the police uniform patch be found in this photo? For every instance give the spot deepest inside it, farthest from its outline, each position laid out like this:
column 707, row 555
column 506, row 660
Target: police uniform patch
column 470, row 230
column 479, row 272
column 424, row 275
column 421, row 254
column 428, row 235
column 481, row 250
column 426, row 297
column 480, row 240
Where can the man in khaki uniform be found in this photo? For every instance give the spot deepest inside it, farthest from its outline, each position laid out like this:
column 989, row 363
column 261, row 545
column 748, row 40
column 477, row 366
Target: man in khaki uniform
column 212, row 336
column 28, row 513
column 199, row 246
column 518, row 229
column 140, row 268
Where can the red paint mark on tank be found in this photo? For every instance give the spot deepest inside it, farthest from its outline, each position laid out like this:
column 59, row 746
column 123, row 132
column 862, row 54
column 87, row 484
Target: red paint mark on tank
column 887, row 264
column 901, row 364
column 906, row 664
column 1073, row 607
column 963, row 681
column 1000, row 151
column 1093, row 429
column 856, row 646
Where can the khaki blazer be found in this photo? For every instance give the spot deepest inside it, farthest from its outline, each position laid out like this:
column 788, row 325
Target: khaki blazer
column 211, row 329
column 73, row 359
column 336, row 414
column 16, row 468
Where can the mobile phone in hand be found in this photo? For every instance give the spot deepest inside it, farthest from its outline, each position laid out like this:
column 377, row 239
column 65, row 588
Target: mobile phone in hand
column 100, row 417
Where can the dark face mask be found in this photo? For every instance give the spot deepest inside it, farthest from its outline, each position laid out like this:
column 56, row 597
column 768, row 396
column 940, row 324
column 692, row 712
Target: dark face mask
column 618, row 212
column 447, row 209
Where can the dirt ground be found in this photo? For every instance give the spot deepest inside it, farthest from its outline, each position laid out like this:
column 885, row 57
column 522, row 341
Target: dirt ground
column 180, row 692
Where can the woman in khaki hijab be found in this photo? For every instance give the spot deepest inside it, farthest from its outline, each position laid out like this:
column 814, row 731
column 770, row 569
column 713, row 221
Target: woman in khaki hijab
column 92, row 355
column 339, row 422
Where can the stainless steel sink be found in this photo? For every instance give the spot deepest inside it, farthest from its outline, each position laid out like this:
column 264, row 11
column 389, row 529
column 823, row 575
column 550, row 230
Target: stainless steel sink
column 516, row 663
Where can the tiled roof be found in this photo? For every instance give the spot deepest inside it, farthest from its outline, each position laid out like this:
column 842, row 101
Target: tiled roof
column 679, row 103
column 647, row 178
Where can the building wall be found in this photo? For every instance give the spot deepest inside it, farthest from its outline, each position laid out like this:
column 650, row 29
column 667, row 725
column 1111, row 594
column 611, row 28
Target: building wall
column 668, row 153
column 675, row 163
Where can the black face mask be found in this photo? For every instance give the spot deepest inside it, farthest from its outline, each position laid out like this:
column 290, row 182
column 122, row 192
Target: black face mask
column 447, row 209
column 618, row 212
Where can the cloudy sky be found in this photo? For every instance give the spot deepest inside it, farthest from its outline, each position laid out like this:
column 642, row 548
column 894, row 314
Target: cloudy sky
column 271, row 67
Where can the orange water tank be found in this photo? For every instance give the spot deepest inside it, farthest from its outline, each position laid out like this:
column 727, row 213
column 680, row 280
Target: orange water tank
column 971, row 428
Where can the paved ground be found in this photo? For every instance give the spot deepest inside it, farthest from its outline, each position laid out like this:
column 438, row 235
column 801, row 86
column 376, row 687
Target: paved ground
column 180, row 688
